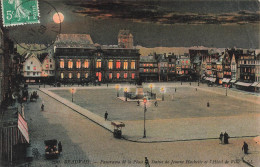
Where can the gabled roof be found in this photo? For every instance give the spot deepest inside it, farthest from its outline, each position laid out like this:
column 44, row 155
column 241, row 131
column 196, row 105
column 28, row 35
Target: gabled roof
column 42, row 56
column 124, row 32
column 74, row 40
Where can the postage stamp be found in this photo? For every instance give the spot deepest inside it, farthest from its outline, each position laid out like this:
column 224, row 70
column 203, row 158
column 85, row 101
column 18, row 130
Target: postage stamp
column 20, row 12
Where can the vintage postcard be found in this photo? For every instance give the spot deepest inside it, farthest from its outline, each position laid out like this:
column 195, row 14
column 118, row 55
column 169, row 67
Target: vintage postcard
column 129, row 83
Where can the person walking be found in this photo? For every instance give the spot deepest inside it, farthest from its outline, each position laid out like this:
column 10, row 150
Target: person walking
column 59, row 147
column 106, row 115
column 146, row 162
column 175, row 89
column 221, row 138
column 226, row 137
column 156, row 103
column 245, row 148
column 42, row 107
column 138, row 103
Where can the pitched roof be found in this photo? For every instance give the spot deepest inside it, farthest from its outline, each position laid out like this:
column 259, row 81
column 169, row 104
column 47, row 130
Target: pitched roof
column 124, row 32
column 42, row 56
column 74, row 40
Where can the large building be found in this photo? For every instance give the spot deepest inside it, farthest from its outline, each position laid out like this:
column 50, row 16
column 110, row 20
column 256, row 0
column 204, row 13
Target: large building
column 78, row 60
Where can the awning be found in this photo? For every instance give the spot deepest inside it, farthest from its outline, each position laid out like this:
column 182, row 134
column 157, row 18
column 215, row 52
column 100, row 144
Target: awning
column 226, row 80
column 213, row 79
column 233, row 81
column 208, row 78
column 255, row 84
column 243, row 84
column 22, row 125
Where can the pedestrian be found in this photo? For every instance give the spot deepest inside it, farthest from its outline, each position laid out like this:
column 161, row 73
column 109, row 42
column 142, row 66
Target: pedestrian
column 107, row 85
column 196, row 89
column 138, row 103
column 156, row 103
column 146, row 162
column 221, row 138
column 226, row 137
column 42, row 107
column 106, row 115
column 175, row 89
column 245, row 148
column 207, row 104
column 59, row 147
column 190, row 83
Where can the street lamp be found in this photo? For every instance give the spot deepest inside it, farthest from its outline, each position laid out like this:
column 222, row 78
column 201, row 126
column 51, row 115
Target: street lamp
column 72, row 92
column 125, row 90
column 162, row 91
column 151, row 86
column 145, row 101
column 117, row 88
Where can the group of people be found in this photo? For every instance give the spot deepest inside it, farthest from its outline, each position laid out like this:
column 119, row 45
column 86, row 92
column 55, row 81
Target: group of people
column 155, row 103
column 34, row 95
column 223, row 138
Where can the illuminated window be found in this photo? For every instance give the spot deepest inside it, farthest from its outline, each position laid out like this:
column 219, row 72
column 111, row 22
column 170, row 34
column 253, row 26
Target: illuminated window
column 78, row 75
column 47, row 65
column 110, row 64
column 110, row 76
column 34, row 67
column 61, row 63
column 125, row 75
column 98, row 63
column 117, row 75
column 61, row 75
column 182, row 62
column 133, row 75
column 125, row 65
column 118, row 64
column 86, row 64
column 70, row 64
column 182, row 72
column 70, row 75
column 86, row 75
column 186, row 72
column 78, row 64
column 133, row 65
column 187, row 61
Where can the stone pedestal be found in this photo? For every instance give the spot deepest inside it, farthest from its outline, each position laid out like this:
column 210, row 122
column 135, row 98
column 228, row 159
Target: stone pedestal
column 139, row 92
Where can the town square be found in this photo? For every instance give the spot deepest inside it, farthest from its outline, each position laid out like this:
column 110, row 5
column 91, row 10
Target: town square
column 124, row 83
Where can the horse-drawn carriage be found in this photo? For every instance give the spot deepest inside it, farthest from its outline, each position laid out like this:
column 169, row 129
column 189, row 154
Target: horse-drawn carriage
column 34, row 96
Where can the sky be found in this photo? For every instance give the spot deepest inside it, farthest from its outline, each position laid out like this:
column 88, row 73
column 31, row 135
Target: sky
column 167, row 23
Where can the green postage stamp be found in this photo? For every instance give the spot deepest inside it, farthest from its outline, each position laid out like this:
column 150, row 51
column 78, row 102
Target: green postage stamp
column 20, row 12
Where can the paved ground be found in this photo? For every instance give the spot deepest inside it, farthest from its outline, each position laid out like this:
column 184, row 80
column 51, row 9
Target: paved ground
column 84, row 140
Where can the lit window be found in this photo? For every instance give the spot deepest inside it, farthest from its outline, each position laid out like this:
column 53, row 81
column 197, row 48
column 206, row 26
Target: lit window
column 62, row 63
column 117, row 75
column 133, row 65
column 118, row 64
column 47, row 65
column 86, row 64
column 110, row 64
column 182, row 62
column 125, row 75
column 78, row 75
column 133, row 75
column 78, row 64
column 70, row 64
column 70, row 75
column 98, row 64
column 187, row 61
column 61, row 75
column 182, row 72
column 34, row 67
column 125, row 65
column 86, row 75
column 110, row 76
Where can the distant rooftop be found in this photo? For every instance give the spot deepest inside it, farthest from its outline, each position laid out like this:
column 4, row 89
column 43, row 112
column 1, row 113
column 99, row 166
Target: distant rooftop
column 74, row 40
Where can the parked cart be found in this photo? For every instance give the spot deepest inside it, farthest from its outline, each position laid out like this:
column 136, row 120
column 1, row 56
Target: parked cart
column 118, row 129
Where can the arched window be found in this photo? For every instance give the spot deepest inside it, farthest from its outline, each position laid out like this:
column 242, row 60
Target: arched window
column 110, row 64
column 70, row 64
column 78, row 64
column 86, row 64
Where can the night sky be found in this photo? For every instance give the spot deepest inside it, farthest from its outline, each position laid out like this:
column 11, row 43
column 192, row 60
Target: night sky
column 169, row 23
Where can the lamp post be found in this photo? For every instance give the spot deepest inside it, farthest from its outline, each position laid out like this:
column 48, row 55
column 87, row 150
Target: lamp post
column 125, row 94
column 162, row 91
column 117, row 88
column 226, row 89
column 151, row 87
column 72, row 92
column 145, row 101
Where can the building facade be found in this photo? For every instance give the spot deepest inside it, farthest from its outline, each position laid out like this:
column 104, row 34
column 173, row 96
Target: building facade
column 78, row 60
